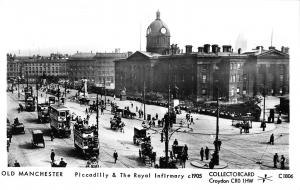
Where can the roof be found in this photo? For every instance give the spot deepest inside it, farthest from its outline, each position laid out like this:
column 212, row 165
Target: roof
column 37, row 132
column 270, row 52
column 59, row 107
column 155, row 28
column 144, row 53
column 82, row 55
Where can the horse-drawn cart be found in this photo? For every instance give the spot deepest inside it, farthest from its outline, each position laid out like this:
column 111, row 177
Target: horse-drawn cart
column 17, row 128
column 37, row 138
column 140, row 135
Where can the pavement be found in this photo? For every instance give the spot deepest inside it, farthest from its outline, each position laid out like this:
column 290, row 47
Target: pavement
column 238, row 151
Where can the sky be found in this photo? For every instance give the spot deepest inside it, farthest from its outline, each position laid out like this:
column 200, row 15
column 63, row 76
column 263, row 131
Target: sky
column 67, row 26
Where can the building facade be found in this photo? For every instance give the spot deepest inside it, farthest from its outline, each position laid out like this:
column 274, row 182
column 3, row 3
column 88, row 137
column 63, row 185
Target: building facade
column 204, row 75
column 97, row 68
column 32, row 67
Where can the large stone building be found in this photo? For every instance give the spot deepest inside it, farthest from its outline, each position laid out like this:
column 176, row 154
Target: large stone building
column 202, row 75
column 35, row 66
column 97, row 68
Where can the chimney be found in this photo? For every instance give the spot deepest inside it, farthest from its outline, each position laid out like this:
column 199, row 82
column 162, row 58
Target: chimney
column 200, row 49
column 117, row 50
column 271, row 47
column 214, row 48
column 188, row 49
column 206, row 48
column 226, row 48
column 285, row 49
column 239, row 50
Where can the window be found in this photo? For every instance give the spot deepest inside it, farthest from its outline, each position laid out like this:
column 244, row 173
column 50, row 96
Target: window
column 238, row 78
column 203, row 78
column 203, row 91
column 231, row 66
column 238, row 66
column 238, row 90
column 281, row 78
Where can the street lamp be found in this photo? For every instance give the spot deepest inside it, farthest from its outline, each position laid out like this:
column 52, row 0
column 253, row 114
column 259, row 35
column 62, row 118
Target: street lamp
column 216, row 143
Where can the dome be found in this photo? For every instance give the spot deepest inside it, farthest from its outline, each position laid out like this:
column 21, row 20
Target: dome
column 158, row 27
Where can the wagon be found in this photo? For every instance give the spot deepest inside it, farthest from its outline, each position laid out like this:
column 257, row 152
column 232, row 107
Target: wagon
column 140, row 136
column 177, row 151
column 38, row 138
column 17, row 128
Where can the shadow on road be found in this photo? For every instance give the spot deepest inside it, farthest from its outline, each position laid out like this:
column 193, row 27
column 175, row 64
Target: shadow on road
column 27, row 145
column 137, row 159
column 32, row 120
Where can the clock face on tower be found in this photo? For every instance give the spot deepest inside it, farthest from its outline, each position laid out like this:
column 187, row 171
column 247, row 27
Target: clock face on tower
column 163, row 30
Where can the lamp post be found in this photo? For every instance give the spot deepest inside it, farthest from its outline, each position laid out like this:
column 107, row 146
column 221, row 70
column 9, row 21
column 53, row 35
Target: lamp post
column 18, row 87
column 37, row 91
column 144, row 96
column 216, row 143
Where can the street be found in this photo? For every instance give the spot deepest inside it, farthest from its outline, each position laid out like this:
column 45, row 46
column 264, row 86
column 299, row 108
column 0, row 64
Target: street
column 238, row 151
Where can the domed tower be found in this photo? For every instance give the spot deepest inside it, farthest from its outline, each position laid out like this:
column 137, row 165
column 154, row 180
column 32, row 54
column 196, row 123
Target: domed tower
column 158, row 36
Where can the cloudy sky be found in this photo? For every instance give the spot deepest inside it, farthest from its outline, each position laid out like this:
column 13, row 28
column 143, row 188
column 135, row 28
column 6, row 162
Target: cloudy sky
column 43, row 26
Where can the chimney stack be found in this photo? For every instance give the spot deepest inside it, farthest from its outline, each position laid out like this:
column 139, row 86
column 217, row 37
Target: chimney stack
column 239, row 50
column 271, row 47
column 215, row 48
column 200, row 49
column 206, row 48
column 226, row 48
column 285, row 49
column 188, row 49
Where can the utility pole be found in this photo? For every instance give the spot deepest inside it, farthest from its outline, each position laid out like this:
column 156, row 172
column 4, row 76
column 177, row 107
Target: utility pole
column 105, row 91
column 18, row 87
column 144, row 99
column 264, row 95
column 27, row 81
column 217, row 132
column 66, row 89
column 97, row 115
column 37, row 92
column 58, row 95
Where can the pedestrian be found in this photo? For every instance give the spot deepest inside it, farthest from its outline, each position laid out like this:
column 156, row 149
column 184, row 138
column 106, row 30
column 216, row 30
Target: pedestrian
column 102, row 109
column 206, row 153
column 279, row 119
column 202, row 153
column 62, row 163
column 52, row 155
column 275, row 160
column 185, row 151
column 263, row 125
column 192, row 120
column 156, row 116
column 272, row 139
column 282, row 161
column 52, row 135
column 17, row 164
column 175, row 143
column 136, row 109
column 115, row 156
column 86, row 111
column 184, row 158
column 132, row 105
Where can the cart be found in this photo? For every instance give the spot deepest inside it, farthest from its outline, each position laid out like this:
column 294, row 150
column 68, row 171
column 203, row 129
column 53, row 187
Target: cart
column 140, row 136
column 37, row 138
column 17, row 128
